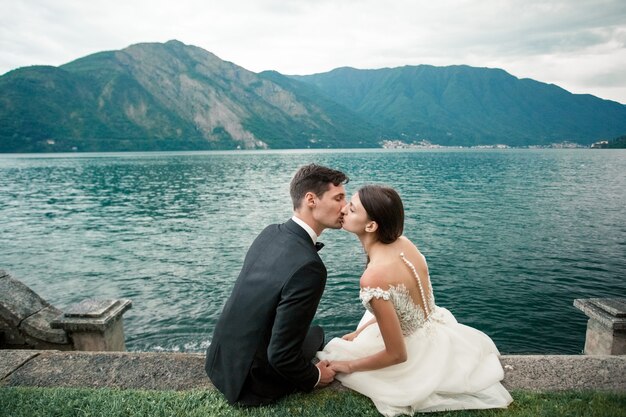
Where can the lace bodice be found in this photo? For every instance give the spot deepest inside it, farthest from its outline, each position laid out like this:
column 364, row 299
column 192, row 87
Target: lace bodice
column 411, row 315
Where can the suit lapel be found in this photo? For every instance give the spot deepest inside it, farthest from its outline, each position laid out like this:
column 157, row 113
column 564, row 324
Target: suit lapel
column 295, row 228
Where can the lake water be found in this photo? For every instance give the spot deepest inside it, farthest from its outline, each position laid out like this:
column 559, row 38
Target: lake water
column 512, row 237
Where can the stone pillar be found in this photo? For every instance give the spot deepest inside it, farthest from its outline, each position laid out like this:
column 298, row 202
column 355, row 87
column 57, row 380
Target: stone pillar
column 606, row 328
column 95, row 325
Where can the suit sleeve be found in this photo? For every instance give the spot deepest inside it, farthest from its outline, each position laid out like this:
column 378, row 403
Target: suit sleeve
column 297, row 306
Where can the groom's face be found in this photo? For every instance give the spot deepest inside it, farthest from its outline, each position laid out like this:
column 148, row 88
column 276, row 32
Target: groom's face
column 355, row 217
column 328, row 207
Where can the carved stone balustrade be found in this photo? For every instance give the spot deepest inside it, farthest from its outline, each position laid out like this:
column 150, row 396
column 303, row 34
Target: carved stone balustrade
column 27, row 321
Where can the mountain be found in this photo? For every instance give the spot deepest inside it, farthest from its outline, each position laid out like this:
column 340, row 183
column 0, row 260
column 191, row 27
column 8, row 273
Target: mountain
column 172, row 96
column 461, row 105
column 167, row 96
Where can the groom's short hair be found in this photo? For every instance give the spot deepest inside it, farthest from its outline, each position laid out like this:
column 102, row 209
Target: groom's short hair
column 316, row 179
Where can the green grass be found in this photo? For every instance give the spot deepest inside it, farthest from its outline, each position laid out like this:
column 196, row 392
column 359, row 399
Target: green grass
column 65, row 402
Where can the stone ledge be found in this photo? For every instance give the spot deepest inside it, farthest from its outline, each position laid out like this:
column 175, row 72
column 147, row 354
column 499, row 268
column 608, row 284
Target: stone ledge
column 91, row 316
column 38, row 326
column 17, row 301
column 610, row 312
column 564, row 372
column 151, row 371
column 25, row 318
column 183, row 371
column 11, row 362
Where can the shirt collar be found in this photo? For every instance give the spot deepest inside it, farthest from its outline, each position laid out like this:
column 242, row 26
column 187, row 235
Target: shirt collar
column 306, row 227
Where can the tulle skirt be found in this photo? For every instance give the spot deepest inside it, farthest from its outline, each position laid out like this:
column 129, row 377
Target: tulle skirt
column 449, row 366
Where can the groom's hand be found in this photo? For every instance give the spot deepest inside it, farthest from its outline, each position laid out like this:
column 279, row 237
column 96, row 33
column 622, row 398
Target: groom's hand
column 326, row 373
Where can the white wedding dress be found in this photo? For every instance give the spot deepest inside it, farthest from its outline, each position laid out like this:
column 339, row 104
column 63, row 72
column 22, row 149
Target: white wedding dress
column 449, row 366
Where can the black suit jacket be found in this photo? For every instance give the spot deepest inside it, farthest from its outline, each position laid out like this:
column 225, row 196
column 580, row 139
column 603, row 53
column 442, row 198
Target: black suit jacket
column 255, row 354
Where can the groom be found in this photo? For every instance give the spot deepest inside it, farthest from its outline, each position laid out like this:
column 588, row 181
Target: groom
column 263, row 344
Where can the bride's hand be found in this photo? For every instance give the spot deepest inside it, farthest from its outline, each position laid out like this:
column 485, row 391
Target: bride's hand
column 341, row 366
column 350, row 336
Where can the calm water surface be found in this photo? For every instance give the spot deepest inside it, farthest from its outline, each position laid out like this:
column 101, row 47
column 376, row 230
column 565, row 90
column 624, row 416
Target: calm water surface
column 512, row 237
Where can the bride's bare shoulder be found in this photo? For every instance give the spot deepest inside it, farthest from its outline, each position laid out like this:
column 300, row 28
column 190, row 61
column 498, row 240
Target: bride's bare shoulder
column 408, row 243
column 375, row 276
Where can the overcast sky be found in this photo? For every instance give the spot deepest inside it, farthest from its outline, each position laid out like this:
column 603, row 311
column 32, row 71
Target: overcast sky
column 579, row 45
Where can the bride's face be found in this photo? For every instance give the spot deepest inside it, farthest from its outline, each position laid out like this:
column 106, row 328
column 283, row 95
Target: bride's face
column 355, row 217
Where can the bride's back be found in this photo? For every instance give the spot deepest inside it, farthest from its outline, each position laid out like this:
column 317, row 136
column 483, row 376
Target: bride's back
column 395, row 265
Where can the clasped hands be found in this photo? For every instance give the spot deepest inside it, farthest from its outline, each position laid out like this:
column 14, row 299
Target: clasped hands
column 329, row 369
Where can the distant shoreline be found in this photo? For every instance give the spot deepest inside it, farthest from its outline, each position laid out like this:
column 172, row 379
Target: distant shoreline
column 303, row 150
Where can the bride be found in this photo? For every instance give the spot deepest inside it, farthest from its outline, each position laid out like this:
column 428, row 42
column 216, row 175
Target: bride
column 408, row 354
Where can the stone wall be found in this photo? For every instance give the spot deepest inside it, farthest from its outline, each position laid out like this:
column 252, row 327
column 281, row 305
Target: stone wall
column 25, row 318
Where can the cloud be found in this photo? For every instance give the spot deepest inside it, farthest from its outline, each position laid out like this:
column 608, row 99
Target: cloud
column 559, row 41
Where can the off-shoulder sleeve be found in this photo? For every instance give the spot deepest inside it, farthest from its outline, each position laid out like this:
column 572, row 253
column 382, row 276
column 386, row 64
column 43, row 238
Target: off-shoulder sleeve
column 366, row 294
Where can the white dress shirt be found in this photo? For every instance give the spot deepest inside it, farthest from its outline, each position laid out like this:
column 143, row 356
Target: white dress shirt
column 306, row 227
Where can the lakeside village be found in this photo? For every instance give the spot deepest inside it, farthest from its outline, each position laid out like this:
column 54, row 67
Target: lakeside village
column 424, row 144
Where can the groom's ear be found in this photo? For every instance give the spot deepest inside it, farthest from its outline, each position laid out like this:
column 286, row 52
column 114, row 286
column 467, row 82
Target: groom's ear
column 371, row 227
column 309, row 199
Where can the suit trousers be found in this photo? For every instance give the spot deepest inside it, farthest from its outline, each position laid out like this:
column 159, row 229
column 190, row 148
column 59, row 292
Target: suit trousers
column 250, row 395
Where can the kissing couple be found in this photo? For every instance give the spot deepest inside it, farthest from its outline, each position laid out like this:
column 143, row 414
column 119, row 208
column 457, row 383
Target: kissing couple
column 407, row 354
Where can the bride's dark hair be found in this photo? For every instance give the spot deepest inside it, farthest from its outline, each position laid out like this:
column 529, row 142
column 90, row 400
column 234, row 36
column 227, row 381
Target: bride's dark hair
column 384, row 206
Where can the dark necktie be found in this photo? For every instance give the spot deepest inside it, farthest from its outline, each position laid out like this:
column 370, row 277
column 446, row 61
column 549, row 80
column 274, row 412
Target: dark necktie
column 319, row 245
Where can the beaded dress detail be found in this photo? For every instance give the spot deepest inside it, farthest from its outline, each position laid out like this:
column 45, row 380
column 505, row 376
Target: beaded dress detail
column 411, row 315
